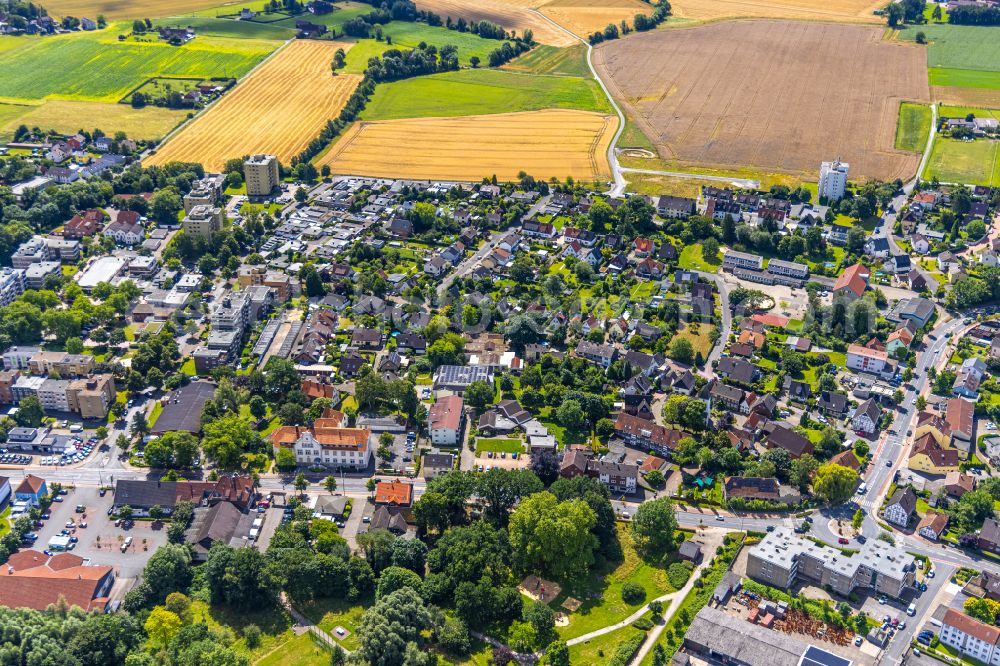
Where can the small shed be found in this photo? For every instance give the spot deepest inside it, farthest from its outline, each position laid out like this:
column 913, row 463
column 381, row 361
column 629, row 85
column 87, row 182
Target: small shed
column 691, row 551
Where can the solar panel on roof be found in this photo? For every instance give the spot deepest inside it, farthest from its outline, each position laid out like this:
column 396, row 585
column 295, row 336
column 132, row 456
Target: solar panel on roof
column 814, row 656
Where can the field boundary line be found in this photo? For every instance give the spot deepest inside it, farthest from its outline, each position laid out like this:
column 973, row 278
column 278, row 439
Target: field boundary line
column 748, row 183
column 930, row 144
column 215, row 101
column 618, row 181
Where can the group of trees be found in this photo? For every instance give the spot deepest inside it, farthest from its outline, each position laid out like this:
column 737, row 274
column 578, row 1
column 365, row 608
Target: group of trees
column 640, row 23
column 974, row 15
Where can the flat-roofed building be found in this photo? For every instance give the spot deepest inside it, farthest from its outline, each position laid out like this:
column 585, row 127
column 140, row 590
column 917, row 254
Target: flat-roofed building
column 203, row 221
column 261, row 175
column 92, row 397
column 782, row 558
column 734, row 259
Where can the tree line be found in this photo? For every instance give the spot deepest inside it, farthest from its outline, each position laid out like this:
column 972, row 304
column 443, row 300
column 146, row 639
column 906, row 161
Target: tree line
column 975, row 15
column 640, row 23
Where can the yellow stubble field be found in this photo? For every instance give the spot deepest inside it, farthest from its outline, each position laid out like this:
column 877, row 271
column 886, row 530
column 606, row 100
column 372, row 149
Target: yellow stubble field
column 854, row 11
column 508, row 15
column 552, row 142
column 278, row 109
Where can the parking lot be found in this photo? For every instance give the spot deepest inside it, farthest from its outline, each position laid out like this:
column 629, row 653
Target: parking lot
column 101, row 542
column 403, row 451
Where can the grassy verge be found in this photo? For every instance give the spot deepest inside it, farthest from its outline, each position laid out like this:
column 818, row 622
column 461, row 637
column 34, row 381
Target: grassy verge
column 913, row 127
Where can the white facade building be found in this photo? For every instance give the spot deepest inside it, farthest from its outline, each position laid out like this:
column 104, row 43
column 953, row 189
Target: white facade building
column 833, row 180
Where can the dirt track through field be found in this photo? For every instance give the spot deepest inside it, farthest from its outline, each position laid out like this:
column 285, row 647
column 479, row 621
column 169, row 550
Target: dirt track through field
column 772, row 95
column 278, row 109
column 553, row 142
column 854, row 11
column 507, row 15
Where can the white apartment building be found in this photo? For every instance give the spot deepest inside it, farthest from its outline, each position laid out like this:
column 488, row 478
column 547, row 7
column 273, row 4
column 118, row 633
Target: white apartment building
column 53, row 395
column 261, row 174
column 444, row 421
column 971, row 637
column 734, row 259
column 833, row 180
column 11, row 285
column 863, row 359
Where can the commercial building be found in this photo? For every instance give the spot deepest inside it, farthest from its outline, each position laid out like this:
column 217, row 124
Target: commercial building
column 716, row 637
column 456, row 378
column 143, row 495
column 833, row 180
column 203, row 221
column 35, row 580
column 782, row 558
column 104, row 269
column 261, row 175
column 445, row 419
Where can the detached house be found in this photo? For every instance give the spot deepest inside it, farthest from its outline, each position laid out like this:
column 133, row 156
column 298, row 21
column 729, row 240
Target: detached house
column 901, row 507
column 867, row 416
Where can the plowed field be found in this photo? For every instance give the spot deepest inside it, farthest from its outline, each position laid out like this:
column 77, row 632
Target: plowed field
column 278, row 109
column 770, row 95
column 542, row 143
column 507, row 15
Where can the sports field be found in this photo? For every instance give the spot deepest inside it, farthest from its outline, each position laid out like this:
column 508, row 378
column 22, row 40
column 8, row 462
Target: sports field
column 506, row 15
column 913, row 127
column 973, row 162
column 804, row 10
column 267, row 113
column 483, row 91
column 97, row 67
column 67, row 116
column 746, row 94
column 548, row 143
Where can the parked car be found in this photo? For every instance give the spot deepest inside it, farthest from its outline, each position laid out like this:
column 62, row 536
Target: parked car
column 842, row 540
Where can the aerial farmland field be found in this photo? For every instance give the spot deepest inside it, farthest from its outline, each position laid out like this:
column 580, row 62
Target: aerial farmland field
column 504, row 14
column 746, row 94
column 264, row 113
column 543, row 143
column 97, row 67
column 804, row 10
column 583, row 17
column 69, row 116
column 472, row 92
column 913, row 127
column 130, row 9
column 569, row 61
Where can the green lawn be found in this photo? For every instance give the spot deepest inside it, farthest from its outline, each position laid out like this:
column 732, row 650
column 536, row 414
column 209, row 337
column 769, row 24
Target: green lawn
column 482, row 91
column 301, row 650
column 188, row 367
column 5, row 521
column 701, row 341
column 602, row 649
column 946, row 111
column 963, row 47
column 157, row 410
column 544, row 59
column 329, row 614
column 95, row 66
column 601, row 591
column 913, row 127
column 499, row 445
column 972, row 162
column 692, row 259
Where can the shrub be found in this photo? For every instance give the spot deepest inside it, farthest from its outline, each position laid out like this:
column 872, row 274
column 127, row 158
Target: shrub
column 643, row 624
column 678, row 574
column 627, row 650
column 632, row 593
column 251, row 633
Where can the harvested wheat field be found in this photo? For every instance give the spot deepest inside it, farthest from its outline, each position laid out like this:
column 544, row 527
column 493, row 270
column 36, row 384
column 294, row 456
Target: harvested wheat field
column 278, row 109
column 504, row 14
column 553, row 142
column 584, row 17
column 129, row 9
column 772, row 95
column 854, row 11
column 982, row 97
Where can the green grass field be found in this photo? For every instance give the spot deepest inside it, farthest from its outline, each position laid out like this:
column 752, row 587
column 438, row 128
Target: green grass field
column 974, row 162
column 408, row 35
column 544, row 59
column 96, row 67
column 963, row 78
column 913, row 127
column 958, row 46
column 499, row 445
column 214, row 27
column 474, row 92
column 692, row 258
column 962, row 111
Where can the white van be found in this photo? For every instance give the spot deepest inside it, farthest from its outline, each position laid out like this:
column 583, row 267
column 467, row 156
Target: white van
column 253, row 533
column 911, row 610
column 258, row 523
column 862, row 489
